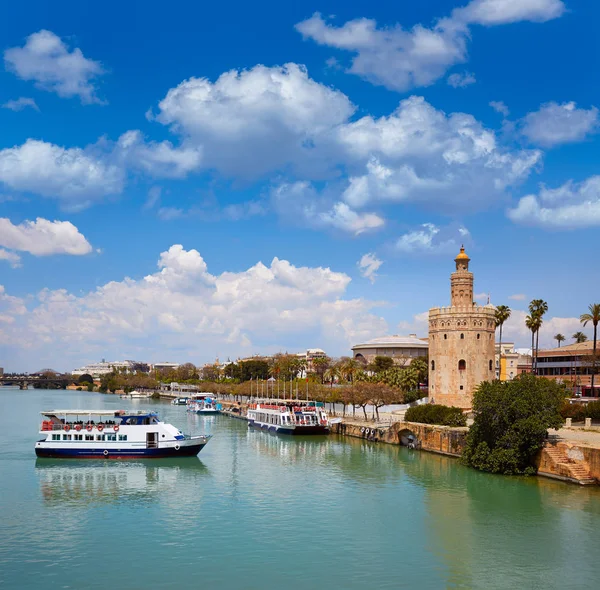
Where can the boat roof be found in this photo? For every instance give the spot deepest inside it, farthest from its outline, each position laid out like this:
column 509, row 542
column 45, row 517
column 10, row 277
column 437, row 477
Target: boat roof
column 98, row 413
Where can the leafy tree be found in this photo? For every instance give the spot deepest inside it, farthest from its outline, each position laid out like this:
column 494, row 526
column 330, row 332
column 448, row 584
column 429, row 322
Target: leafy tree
column 502, row 314
column 579, row 337
column 592, row 316
column 85, row 378
column 383, row 363
column 254, row 369
column 537, row 309
column 232, row 371
column 559, row 338
column 421, row 366
column 511, row 423
column 320, row 365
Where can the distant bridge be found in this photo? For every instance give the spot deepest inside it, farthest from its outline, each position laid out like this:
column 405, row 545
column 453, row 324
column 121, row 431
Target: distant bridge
column 25, row 380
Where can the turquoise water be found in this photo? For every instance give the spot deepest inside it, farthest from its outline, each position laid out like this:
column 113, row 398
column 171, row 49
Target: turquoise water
column 259, row 511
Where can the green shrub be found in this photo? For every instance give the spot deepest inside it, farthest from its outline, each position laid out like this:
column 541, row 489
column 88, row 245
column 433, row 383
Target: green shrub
column 592, row 410
column 413, row 395
column 511, row 423
column 436, row 414
column 574, row 411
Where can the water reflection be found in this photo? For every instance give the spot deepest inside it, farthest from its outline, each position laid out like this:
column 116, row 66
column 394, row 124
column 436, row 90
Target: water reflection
column 75, row 482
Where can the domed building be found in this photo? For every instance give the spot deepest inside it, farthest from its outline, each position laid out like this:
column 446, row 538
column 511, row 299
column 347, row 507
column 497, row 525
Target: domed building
column 403, row 349
column 461, row 342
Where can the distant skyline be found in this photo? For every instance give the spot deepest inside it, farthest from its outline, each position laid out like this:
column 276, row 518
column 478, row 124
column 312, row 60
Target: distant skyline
column 195, row 181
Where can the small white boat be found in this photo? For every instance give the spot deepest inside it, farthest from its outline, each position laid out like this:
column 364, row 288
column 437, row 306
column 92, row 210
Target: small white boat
column 139, row 394
column 109, row 434
column 180, row 401
column 203, row 405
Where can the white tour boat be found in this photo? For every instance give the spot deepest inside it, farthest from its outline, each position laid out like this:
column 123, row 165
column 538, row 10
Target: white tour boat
column 288, row 417
column 203, row 405
column 180, row 401
column 86, row 434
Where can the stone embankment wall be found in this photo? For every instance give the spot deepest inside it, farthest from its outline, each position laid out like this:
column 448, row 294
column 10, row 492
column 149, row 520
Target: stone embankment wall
column 570, row 461
column 437, row 439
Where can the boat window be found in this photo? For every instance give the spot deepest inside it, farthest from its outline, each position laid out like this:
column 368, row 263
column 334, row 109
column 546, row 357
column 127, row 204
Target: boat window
column 111, row 437
column 89, row 437
column 99, row 437
column 78, row 437
column 122, row 437
column 56, row 437
column 66, row 437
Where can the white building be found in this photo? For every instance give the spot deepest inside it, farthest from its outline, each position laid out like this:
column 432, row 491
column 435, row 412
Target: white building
column 403, row 349
column 164, row 366
column 103, row 368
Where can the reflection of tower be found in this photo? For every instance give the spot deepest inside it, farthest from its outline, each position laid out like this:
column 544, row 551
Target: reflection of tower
column 461, row 341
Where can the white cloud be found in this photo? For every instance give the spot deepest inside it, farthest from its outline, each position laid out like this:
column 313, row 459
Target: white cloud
column 431, row 239
column 255, row 121
column 368, row 266
column 170, row 213
column 153, row 197
column 160, row 159
column 570, row 206
column 555, row 124
column 266, row 305
column 420, row 154
column 461, row 80
column 13, row 259
column 75, row 176
column 517, row 297
column 20, row 104
column 300, row 202
column 47, row 61
column 500, row 107
column 43, row 237
column 499, row 12
column 393, row 57
column 402, row 59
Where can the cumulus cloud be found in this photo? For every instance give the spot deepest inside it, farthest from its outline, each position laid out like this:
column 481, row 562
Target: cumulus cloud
column 458, row 80
column 46, row 60
column 368, row 266
column 265, row 305
column 401, row 59
column 554, row 124
column 13, row 259
column 20, row 104
column 500, row 107
column 43, row 237
column 420, row 154
column 255, row 121
column 500, row 12
column 301, row 202
column 432, row 239
column 75, row 176
column 570, row 206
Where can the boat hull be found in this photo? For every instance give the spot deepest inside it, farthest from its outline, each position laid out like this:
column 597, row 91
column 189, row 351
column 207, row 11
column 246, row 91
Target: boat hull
column 293, row 431
column 103, row 453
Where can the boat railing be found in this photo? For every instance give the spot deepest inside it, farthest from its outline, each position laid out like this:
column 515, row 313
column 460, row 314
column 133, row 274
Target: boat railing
column 48, row 425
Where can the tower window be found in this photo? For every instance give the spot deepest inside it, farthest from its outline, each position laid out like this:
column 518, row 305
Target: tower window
column 462, row 387
column 478, row 335
column 462, row 336
column 433, row 365
column 445, row 336
column 462, row 365
column 490, row 365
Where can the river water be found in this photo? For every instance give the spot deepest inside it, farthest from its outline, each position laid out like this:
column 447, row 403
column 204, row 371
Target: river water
column 258, row 511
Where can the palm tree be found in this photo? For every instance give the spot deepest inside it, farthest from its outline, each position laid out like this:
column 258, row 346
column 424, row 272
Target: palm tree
column 533, row 323
column 559, row 338
column 502, row 314
column 594, row 317
column 537, row 308
column 579, row 337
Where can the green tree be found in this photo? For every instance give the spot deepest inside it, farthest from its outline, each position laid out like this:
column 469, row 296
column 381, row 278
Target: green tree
column 579, row 337
column 85, row 378
column 593, row 316
column 502, row 314
column 537, row 309
column 533, row 323
column 320, row 364
column 511, row 423
column 420, row 365
column 559, row 338
column 383, row 363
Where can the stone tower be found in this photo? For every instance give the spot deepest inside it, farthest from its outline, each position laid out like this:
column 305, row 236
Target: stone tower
column 461, row 342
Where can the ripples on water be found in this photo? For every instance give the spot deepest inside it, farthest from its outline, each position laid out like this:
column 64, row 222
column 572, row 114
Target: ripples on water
column 256, row 510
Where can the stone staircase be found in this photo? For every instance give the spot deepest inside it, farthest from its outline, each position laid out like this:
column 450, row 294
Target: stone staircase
column 575, row 470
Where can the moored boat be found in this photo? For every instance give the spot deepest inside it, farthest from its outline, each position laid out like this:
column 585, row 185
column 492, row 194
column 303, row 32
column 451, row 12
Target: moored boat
column 202, row 405
column 180, row 401
column 121, row 434
column 287, row 417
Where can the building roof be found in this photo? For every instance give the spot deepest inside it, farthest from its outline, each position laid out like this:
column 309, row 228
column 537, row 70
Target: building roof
column 575, row 348
column 410, row 341
column 462, row 255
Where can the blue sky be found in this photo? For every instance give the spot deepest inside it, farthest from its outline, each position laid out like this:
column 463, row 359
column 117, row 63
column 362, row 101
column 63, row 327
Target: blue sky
column 230, row 179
